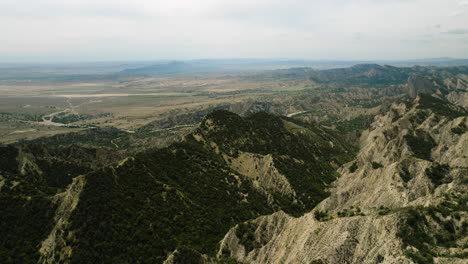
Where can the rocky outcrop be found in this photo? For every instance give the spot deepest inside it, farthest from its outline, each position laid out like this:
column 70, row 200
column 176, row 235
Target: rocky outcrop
column 360, row 221
column 419, row 84
column 261, row 170
column 55, row 249
column 378, row 179
column 458, row 90
column 283, row 239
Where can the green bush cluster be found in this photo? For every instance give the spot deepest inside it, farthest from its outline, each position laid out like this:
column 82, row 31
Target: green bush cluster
column 421, row 143
column 438, row 173
column 69, row 118
column 427, row 236
column 349, row 212
column 246, row 234
column 321, row 215
column 405, row 174
column 353, row 167
column 460, row 129
column 382, row 210
column 441, row 107
column 376, row 165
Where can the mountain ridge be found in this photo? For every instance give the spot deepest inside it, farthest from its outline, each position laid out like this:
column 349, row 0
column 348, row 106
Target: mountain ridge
column 362, row 220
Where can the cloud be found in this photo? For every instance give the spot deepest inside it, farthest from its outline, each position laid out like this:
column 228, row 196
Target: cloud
column 184, row 29
column 457, row 32
column 456, row 13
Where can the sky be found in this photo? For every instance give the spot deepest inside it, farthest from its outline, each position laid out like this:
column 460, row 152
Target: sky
column 117, row 30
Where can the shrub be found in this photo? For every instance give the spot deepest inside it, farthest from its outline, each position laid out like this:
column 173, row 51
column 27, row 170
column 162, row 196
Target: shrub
column 320, row 215
column 421, row 144
column 405, row 175
column 437, row 173
column 376, row 165
column 353, row 167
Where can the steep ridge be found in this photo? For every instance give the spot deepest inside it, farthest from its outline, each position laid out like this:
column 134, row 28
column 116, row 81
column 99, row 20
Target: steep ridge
column 33, row 178
column 402, row 200
column 186, row 197
column 290, row 160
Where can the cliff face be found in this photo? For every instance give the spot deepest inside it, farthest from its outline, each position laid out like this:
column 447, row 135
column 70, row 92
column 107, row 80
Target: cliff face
column 453, row 87
column 419, row 83
column 412, row 160
column 458, row 90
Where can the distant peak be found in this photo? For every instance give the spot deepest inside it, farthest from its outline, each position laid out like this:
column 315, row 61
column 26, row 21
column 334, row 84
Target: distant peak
column 367, row 65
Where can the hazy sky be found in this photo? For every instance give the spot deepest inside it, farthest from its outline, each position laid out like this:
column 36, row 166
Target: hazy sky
column 87, row 30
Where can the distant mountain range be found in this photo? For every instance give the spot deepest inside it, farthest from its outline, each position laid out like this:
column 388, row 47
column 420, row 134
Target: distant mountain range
column 240, row 65
column 198, row 66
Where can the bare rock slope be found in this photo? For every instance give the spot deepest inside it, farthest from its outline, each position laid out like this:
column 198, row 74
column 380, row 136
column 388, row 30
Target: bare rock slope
column 402, row 200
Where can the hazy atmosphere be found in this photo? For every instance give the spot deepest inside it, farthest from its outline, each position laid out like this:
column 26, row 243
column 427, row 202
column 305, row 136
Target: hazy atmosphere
column 234, row 132
column 106, row 30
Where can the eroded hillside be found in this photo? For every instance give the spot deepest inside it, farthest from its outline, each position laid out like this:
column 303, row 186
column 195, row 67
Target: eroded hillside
column 402, row 200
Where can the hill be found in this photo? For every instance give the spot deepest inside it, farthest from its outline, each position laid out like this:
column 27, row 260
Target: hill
column 402, row 200
column 185, row 196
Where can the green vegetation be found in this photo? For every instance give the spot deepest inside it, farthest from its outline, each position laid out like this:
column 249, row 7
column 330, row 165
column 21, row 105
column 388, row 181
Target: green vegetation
column 8, row 162
column 185, row 255
column 187, row 196
column 322, row 215
column 441, row 107
column 96, row 137
column 405, row 175
column 376, row 165
column 66, row 118
column 359, row 123
column 349, row 212
column 184, row 195
column 317, row 261
column 301, row 152
column 26, row 198
column 438, row 174
column 24, row 223
column 421, row 143
column 353, row 167
column 246, row 234
column 382, row 210
column 419, row 117
column 428, row 229
column 460, row 129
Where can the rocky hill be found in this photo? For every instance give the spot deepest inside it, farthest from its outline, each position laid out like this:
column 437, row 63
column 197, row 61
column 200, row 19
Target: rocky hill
column 402, row 200
column 184, row 197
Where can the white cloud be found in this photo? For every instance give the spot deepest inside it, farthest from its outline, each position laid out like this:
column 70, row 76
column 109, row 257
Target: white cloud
column 180, row 29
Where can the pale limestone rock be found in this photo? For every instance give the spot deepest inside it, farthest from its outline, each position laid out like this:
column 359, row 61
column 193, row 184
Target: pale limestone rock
column 55, row 246
column 370, row 238
column 261, row 170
